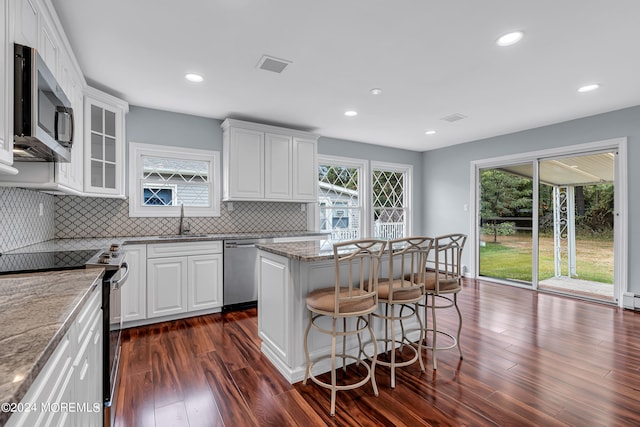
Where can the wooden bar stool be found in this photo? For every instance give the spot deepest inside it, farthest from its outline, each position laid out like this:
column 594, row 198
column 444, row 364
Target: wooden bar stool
column 354, row 295
column 402, row 289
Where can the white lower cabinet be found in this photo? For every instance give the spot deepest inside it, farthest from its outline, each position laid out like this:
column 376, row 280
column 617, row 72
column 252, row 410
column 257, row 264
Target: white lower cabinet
column 68, row 389
column 88, row 360
column 182, row 278
column 202, row 268
column 134, row 291
column 166, row 286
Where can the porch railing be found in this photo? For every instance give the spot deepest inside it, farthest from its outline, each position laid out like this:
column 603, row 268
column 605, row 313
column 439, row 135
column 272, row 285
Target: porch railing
column 383, row 230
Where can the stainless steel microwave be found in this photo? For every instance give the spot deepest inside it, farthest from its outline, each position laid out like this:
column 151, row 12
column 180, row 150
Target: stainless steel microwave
column 43, row 117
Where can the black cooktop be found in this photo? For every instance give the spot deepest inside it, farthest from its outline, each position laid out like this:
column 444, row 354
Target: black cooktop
column 44, row 261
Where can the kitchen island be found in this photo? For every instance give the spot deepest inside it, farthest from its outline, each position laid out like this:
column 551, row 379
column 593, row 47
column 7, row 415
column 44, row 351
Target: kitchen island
column 287, row 273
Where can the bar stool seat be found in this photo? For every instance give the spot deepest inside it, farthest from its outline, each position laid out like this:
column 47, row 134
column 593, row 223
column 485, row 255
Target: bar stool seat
column 322, row 301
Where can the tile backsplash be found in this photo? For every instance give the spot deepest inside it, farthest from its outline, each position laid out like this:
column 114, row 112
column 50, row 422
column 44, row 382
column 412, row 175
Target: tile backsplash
column 77, row 217
column 26, row 217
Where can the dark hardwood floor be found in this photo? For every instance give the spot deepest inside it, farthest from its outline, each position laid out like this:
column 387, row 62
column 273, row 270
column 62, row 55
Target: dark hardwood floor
column 529, row 359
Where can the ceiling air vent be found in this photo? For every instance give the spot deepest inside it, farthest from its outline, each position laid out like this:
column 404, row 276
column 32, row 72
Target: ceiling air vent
column 454, row 117
column 269, row 63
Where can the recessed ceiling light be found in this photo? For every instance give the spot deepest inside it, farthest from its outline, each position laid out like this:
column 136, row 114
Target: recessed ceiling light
column 193, row 77
column 430, row 132
column 510, row 38
column 376, row 91
column 589, row 87
column 350, row 113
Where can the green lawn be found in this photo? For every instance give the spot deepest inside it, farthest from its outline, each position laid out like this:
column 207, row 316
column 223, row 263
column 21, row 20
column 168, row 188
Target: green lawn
column 510, row 258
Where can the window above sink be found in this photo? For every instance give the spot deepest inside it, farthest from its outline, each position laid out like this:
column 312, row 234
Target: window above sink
column 162, row 179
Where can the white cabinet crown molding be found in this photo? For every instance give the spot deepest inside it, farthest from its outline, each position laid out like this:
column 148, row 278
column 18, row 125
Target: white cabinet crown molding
column 101, row 96
column 267, row 128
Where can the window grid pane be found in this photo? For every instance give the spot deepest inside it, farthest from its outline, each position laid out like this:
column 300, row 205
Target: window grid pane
column 187, row 179
column 389, row 210
column 340, row 204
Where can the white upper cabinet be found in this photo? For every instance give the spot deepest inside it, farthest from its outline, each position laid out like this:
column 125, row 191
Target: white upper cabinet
column 34, row 23
column 49, row 46
column 305, row 170
column 71, row 175
column 6, row 76
column 104, row 144
column 277, row 166
column 269, row 163
column 243, row 164
column 27, row 23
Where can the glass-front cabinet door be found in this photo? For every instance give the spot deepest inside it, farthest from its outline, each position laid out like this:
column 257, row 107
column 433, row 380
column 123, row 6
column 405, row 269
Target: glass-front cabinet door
column 104, row 167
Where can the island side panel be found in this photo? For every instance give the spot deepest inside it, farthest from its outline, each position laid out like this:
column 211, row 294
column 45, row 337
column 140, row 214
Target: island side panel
column 282, row 315
column 274, row 301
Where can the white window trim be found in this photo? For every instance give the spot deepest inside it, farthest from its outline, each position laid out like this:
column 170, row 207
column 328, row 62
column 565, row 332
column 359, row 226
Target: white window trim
column 137, row 209
column 407, row 189
column 366, row 188
column 363, row 188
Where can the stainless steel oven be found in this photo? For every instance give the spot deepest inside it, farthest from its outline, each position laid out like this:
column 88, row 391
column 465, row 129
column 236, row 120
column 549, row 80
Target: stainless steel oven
column 115, row 276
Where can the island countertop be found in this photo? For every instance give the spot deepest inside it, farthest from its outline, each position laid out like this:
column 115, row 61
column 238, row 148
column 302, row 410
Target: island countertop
column 36, row 311
column 306, row 251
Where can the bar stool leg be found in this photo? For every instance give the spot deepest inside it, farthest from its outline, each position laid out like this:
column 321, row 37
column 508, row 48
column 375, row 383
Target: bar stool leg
column 333, row 367
column 422, row 334
column 307, row 371
column 375, row 356
column 393, row 346
column 455, row 302
column 435, row 332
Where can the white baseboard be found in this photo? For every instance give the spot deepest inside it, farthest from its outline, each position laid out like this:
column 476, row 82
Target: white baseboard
column 631, row 301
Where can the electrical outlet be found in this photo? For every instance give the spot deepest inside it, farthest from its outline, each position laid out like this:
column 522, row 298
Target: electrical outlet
column 41, row 209
column 303, row 207
column 229, row 206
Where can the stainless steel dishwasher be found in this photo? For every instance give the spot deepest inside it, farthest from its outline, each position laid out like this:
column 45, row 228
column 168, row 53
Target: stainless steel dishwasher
column 240, row 273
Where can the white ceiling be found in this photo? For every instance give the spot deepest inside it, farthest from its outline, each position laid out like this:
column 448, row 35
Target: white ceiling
column 431, row 59
column 585, row 169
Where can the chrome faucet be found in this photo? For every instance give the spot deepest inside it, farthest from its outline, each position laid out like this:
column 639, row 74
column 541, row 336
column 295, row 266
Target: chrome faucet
column 184, row 226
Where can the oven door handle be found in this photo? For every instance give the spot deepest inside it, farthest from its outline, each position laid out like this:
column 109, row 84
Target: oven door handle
column 118, row 283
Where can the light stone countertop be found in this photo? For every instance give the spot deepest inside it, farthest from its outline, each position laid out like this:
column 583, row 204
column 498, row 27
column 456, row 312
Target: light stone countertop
column 307, row 251
column 56, row 245
column 36, row 311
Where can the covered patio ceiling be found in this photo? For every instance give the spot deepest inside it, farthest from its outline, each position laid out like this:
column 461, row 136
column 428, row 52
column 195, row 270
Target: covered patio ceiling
column 571, row 171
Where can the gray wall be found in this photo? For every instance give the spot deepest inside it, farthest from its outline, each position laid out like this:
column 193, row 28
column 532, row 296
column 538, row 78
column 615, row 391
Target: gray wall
column 359, row 150
column 151, row 126
column 446, row 171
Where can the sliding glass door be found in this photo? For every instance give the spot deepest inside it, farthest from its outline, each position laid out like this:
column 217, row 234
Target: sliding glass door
column 506, row 223
column 576, row 226
column 547, row 222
